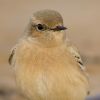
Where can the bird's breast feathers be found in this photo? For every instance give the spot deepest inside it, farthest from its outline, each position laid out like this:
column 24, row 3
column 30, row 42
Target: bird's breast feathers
column 49, row 71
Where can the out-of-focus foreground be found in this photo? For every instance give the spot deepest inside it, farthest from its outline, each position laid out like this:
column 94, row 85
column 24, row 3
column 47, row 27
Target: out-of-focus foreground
column 82, row 18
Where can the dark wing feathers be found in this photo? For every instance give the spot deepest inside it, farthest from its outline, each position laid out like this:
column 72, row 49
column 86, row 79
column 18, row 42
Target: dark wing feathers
column 11, row 56
column 75, row 53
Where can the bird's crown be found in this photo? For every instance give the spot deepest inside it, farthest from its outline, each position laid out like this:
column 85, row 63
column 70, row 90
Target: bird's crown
column 49, row 17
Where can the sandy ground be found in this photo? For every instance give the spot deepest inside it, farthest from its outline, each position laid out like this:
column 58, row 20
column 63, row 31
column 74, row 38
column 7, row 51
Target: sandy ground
column 82, row 18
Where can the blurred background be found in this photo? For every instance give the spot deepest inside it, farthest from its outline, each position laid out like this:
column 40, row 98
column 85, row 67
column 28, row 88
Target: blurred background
column 81, row 17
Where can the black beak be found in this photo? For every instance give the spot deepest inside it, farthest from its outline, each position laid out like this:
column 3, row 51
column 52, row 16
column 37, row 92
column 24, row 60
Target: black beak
column 59, row 28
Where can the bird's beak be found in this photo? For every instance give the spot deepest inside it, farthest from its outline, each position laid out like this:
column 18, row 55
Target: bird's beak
column 59, row 28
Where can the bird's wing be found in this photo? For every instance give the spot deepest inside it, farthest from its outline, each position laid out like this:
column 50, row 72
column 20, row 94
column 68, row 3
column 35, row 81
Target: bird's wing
column 74, row 51
column 12, row 56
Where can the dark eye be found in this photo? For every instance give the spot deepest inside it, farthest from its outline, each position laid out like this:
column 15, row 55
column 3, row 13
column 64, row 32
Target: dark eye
column 41, row 27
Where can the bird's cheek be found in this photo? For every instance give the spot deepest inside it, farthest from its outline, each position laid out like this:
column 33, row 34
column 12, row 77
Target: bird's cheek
column 36, row 34
column 48, row 34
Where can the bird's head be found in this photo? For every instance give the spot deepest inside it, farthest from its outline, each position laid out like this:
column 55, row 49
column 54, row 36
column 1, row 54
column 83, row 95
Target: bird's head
column 47, row 27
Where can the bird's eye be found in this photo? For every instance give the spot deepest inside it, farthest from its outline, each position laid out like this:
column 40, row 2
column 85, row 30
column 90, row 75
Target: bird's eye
column 41, row 27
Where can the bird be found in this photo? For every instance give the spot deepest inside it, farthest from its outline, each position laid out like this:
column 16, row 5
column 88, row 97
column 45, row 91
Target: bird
column 47, row 66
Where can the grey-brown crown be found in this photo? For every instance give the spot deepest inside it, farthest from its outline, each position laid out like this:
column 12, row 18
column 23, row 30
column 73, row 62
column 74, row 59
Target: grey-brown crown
column 49, row 17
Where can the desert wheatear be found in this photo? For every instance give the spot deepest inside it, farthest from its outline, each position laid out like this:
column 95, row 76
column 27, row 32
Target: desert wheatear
column 46, row 65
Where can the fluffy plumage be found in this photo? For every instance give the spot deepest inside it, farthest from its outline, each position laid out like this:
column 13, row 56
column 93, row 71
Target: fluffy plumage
column 47, row 66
